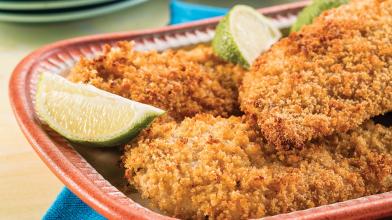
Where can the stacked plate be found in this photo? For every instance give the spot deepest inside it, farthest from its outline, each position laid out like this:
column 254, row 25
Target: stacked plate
column 40, row 11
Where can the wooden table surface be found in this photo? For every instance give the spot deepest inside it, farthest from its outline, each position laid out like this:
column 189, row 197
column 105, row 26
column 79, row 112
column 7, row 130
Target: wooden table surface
column 27, row 187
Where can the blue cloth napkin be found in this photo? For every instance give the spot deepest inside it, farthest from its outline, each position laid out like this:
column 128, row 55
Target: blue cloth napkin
column 181, row 12
column 67, row 206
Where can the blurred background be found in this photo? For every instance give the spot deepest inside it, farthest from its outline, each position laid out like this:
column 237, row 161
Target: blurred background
column 27, row 187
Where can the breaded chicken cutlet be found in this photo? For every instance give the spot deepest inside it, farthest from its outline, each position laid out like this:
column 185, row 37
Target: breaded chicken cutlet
column 181, row 82
column 221, row 168
column 328, row 78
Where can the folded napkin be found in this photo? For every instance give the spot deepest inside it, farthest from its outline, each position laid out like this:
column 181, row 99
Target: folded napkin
column 181, row 12
column 67, row 205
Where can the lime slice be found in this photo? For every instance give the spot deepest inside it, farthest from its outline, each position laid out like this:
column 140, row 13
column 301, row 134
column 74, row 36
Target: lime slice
column 90, row 116
column 243, row 34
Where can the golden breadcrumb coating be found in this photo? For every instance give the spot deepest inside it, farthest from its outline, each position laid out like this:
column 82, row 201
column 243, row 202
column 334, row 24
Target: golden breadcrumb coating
column 221, row 168
column 329, row 77
column 182, row 82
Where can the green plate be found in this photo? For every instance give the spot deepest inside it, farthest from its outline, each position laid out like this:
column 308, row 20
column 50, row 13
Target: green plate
column 67, row 16
column 47, row 5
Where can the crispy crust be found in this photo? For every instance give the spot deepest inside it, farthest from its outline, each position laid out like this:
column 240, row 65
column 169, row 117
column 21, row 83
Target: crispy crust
column 329, row 77
column 220, row 168
column 182, row 82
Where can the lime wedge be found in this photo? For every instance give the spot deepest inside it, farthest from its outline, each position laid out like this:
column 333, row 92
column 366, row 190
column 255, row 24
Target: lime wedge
column 90, row 116
column 243, row 34
column 312, row 11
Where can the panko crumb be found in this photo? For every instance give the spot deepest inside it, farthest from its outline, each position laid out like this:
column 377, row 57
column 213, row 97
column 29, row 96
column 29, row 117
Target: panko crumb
column 329, row 77
column 181, row 82
column 221, row 168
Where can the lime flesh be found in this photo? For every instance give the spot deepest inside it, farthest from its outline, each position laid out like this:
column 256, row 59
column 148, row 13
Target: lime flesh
column 90, row 116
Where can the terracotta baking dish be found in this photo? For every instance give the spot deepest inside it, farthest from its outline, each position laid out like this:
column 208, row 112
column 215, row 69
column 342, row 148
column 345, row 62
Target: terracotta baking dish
column 93, row 174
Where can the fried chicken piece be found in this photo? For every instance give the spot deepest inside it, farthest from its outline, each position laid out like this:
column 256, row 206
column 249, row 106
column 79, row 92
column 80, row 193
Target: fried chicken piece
column 221, row 168
column 329, row 77
column 182, row 82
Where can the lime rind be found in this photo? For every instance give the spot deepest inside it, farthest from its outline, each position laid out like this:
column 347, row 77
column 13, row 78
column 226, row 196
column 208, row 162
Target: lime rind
column 142, row 114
